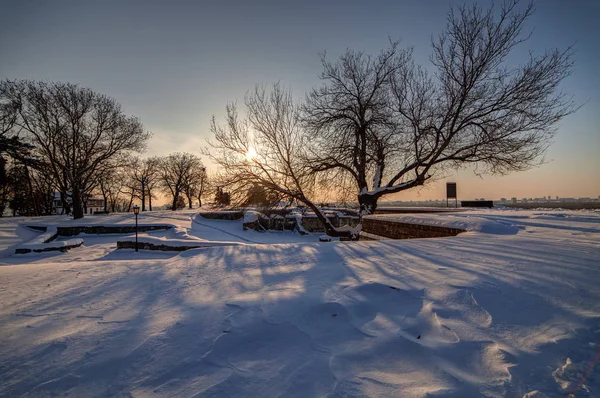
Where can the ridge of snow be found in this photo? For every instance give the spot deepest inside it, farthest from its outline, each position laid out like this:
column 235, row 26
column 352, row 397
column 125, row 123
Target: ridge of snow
column 173, row 242
column 464, row 221
column 40, row 242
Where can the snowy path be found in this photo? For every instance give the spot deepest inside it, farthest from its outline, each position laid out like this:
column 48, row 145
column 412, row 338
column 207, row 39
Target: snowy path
column 480, row 314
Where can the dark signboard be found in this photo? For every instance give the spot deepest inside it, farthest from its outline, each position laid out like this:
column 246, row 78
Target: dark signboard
column 451, row 193
column 451, row 190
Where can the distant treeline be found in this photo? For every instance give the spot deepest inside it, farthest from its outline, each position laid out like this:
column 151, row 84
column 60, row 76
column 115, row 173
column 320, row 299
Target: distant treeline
column 556, row 205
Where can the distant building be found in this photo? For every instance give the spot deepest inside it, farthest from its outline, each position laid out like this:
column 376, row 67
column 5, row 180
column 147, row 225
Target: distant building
column 513, row 200
column 90, row 206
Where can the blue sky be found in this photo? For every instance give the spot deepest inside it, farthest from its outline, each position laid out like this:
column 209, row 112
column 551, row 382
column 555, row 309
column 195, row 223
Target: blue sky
column 175, row 64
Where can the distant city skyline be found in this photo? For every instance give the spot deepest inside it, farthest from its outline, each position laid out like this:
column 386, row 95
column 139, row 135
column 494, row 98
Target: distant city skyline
column 176, row 64
column 582, row 199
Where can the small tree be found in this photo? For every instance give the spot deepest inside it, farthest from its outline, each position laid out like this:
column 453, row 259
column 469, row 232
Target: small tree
column 144, row 173
column 195, row 182
column 203, row 185
column 111, row 184
column 259, row 196
column 175, row 173
column 222, row 198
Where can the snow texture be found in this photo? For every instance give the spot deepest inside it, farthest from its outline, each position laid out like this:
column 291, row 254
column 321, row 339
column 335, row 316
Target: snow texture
column 485, row 313
column 173, row 242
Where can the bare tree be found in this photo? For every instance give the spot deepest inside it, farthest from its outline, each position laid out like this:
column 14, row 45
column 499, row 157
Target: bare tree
column 144, row 172
column 153, row 183
column 267, row 149
column 195, row 183
column 111, row 184
column 130, row 191
column 75, row 130
column 202, row 185
column 175, row 173
column 389, row 125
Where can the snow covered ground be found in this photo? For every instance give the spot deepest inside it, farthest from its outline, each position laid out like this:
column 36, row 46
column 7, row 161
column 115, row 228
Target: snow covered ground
column 507, row 309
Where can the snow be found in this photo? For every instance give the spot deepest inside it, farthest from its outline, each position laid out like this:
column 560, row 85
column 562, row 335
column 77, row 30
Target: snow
column 173, row 242
column 232, row 231
column 299, row 226
column 498, row 221
column 251, row 216
column 41, row 242
column 464, row 221
column 371, row 236
column 485, row 313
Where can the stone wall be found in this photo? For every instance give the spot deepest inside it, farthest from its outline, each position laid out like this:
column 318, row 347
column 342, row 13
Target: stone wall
column 24, row 250
column 114, row 229
column 310, row 224
column 222, row 215
column 150, row 246
column 400, row 230
column 313, row 224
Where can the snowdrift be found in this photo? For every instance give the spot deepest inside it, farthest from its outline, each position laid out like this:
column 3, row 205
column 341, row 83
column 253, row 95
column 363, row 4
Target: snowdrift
column 479, row 314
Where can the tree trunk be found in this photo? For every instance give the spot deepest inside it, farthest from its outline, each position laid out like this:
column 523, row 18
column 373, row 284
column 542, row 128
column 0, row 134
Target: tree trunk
column 31, row 195
column 77, row 205
column 199, row 201
column 189, row 198
column 150, row 199
column 143, row 197
column 130, row 202
column 66, row 208
column 175, row 197
column 368, row 204
column 105, row 203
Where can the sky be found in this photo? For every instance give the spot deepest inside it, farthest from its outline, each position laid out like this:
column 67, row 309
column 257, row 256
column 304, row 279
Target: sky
column 175, row 64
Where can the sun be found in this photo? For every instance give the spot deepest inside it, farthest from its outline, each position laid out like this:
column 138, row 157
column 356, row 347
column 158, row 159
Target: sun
column 251, row 153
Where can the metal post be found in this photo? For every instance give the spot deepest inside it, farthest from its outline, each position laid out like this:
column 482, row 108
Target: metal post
column 136, row 233
column 136, row 211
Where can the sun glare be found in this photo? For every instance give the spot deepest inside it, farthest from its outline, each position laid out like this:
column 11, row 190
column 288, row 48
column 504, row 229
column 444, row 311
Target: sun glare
column 251, row 153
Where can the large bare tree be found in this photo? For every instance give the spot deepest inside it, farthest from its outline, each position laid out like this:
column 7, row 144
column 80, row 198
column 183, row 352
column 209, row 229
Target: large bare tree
column 75, row 130
column 390, row 125
column 268, row 148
